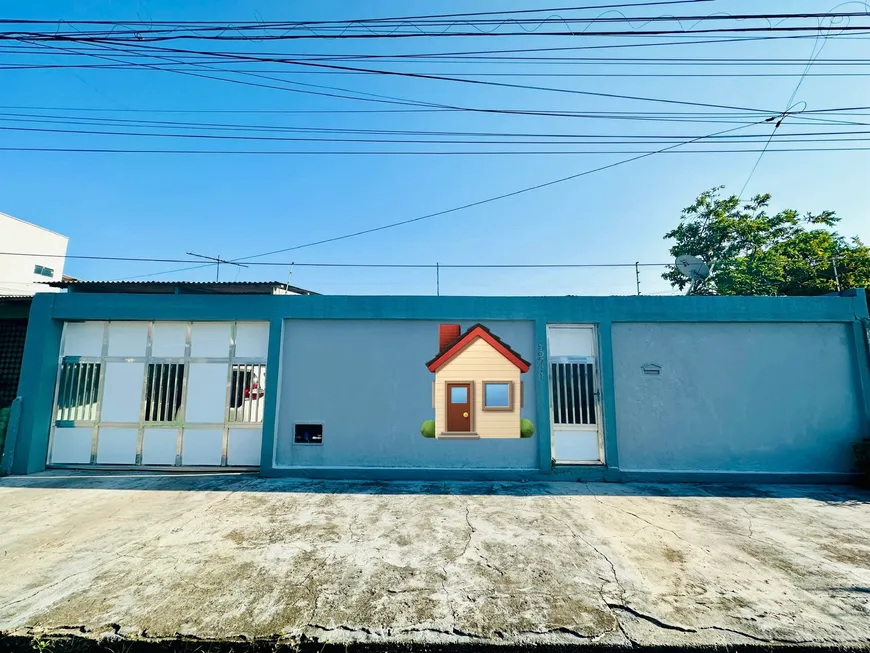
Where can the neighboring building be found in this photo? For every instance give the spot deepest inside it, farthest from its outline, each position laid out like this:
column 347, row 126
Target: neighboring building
column 477, row 391
column 180, row 287
column 39, row 257
column 173, row 377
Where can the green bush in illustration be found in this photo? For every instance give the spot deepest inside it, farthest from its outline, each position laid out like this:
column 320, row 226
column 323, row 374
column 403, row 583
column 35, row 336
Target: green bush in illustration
column 527, row 429
column 428, row 428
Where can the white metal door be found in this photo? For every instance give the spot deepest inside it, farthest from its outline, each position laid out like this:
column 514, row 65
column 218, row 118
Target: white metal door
column 160, row 394
column 575, row 415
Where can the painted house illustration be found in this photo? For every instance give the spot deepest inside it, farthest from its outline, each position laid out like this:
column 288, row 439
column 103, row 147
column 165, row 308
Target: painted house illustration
column 477, row 391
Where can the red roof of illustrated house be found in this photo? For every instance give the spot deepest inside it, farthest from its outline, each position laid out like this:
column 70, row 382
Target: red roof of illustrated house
column 453, row 348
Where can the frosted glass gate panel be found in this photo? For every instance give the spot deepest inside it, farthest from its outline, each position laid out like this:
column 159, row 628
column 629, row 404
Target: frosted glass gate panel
column 122, row 394
column 160, row 394
column 206, row 393
column 575, row 416
column 72, row 446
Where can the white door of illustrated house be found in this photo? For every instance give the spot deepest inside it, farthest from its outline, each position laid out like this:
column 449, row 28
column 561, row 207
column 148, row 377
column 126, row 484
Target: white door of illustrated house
column 575, row 414
column 160, row 394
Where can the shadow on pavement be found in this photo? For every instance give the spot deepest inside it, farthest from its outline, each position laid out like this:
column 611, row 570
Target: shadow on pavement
column 250, row 482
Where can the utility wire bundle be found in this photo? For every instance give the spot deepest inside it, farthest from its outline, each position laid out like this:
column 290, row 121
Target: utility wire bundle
column 508, row 91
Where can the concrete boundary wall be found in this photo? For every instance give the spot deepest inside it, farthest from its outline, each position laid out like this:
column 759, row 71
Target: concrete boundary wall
column 50, row 311
column 736, row 397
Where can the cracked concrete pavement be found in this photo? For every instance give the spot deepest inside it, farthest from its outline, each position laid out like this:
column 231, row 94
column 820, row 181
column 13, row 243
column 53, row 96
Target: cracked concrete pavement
column 224, row 555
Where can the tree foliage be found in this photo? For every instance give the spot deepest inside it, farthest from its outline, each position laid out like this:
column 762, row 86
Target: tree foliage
column 751, row 252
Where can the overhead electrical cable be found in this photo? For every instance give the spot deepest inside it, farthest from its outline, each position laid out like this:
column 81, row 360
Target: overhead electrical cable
column 462, row 207
column 140, row 259
column 574, row 139
column 499, row 84
column 442, row 78
column 106, row 150
column 133, row 66
column 488, row 200
column 150, row 32
column 608, row 46
column 359, row 20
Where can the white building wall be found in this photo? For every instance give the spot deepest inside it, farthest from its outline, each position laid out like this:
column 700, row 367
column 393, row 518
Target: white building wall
column 17, row 273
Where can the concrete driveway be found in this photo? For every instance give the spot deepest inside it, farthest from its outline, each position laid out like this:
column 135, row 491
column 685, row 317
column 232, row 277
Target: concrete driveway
column 220, row 556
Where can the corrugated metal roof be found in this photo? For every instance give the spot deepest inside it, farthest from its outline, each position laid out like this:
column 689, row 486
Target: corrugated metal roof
column 184, row 287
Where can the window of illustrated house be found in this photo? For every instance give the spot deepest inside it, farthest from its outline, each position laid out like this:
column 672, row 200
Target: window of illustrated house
column 497, row 395
column 247, row 393
column 43, row 271
column 163, row 389
column 573, row 393
column 458, row 394
column 78, row 391
column 308, row 434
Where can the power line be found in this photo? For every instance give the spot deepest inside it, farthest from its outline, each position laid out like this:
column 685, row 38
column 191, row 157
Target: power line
column 464, row 206
column 158, row 68
column 108, row 122
column 788, row 108
column 394, row 100
column 474, row 55
column 379, row 99
column 479, row 202
column 484, row 83
column 233, row 111
column 660, row 43
column 371, row 71
column 97, row 122
column 830, row 111
column 204, row 126
column 133, row 66
column 575, row 138
column 685, row 35
column 431, row 266
column 358, row 20
column 201, row 29
column 350, row 29
column 36, row 37
column 401, row 101
column 821, row 117
column 96, row 150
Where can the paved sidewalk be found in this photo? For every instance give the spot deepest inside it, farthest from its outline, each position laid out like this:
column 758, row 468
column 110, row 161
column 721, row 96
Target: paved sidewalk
column 218, row 556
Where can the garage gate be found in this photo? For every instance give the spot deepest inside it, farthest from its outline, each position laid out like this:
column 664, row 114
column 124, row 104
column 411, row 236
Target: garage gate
column 160, row 394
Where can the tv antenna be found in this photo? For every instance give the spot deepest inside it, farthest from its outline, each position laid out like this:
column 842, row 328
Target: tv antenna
column 693, row 268
column 218, row 260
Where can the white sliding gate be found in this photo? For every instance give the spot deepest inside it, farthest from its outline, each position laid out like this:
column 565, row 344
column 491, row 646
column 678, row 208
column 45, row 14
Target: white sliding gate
column 160, row 394
column 575, row 414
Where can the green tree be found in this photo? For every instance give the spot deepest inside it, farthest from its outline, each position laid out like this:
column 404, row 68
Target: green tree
column 751, row 252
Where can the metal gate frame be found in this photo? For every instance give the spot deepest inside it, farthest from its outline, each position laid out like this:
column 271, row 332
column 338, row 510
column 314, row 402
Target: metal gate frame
column 179, row 424
column 596, row 379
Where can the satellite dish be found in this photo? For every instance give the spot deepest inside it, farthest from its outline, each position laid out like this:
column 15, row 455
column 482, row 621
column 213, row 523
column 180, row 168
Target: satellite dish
column 692, row 267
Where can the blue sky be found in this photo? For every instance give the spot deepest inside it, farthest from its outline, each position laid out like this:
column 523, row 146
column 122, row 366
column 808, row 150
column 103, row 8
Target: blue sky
column 158, row 205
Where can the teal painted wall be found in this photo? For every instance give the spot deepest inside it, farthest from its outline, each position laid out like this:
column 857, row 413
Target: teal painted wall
column 736, row 397
column 36, row 385
column 367, row 382
column 628, row 442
